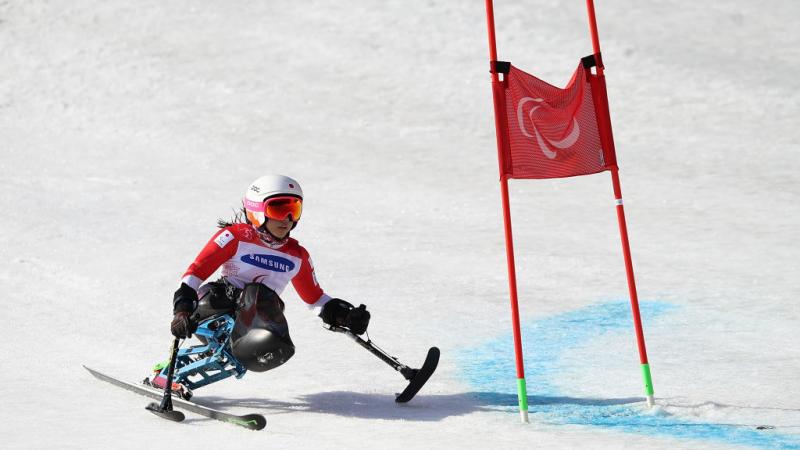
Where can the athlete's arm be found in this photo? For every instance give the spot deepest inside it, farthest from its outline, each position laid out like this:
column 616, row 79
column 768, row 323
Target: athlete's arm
column 219, row 249
column 306, row 285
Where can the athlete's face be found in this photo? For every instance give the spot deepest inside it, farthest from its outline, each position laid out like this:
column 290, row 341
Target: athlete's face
column 279, row 228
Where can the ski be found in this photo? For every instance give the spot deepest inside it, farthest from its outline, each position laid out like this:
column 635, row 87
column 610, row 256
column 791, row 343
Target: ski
column 420, row 377
column 249, row 421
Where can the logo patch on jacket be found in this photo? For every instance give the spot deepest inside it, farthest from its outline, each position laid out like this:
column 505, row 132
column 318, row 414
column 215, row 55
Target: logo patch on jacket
column 269, row 262
column 223, row 239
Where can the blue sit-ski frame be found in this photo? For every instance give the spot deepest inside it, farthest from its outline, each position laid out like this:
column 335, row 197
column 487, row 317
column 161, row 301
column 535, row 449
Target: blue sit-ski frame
column 212, row 361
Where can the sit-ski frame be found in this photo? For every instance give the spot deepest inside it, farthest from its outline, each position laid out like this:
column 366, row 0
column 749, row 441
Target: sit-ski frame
column 212, row 361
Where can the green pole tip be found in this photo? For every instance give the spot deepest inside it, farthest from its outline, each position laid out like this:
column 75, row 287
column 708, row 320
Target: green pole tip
column 648, row 380
column 522, row 394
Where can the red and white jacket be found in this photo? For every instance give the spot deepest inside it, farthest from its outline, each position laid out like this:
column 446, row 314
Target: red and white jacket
column 246, row 259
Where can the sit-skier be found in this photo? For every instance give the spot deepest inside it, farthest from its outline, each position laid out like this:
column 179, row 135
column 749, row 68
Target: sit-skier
column 258, row 259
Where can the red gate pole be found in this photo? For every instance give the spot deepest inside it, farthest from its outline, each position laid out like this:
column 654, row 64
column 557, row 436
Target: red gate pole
column 499, row 109
column 623, row 231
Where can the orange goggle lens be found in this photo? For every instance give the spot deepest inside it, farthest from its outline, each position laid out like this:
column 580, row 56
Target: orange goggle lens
column 280, row 208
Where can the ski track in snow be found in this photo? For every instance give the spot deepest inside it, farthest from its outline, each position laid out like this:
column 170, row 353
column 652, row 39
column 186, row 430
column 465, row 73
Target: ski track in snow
column 546, row 341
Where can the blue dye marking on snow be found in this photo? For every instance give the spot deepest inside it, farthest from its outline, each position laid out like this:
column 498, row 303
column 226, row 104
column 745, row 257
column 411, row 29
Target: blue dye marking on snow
column 490, row 368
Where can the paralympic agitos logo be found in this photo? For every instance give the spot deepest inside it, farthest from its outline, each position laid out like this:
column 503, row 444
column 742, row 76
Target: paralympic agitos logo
column 547, row 121
column 269, row 262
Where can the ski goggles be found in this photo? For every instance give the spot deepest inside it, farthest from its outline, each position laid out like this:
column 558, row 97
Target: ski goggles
column 279, row 208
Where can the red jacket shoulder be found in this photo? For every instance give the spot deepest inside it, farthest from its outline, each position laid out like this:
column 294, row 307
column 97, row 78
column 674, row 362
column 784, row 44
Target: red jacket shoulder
column 292, row 246
column 243, row 232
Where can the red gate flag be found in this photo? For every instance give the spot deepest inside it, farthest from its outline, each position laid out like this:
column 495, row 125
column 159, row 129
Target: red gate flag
column 546, row 132
column 556, row 133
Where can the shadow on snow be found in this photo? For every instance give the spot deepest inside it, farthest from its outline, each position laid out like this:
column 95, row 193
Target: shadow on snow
column 424, row 408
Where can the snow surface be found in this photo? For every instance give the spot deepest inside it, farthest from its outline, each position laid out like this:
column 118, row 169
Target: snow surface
column 128, row 128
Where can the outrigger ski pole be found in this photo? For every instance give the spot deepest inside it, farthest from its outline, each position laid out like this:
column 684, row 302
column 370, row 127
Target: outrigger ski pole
column 416, row 377
column 164, row 409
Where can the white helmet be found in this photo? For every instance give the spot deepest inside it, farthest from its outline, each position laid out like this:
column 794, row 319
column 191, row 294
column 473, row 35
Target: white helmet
column 267, row 187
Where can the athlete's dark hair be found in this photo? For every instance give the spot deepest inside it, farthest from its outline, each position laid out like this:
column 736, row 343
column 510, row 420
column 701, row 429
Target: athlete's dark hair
column 239, row 216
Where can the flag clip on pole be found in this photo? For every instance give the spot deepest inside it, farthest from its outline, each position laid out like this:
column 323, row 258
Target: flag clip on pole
column 499, row 109
column 623, row 229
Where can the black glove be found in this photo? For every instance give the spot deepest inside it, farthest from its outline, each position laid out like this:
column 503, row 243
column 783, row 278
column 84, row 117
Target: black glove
column 340, row 313
column 185, row 299
column 357, row 319
column 181, row 326
column 183, row 304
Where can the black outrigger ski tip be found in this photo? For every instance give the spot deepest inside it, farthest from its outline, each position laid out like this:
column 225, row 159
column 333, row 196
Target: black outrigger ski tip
column 420, row 376
column 169, row 414
column 164, row 409
column 416, row 377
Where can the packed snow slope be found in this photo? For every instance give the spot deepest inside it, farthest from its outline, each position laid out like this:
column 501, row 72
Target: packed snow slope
column 128, row 128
